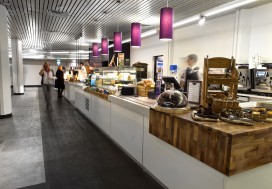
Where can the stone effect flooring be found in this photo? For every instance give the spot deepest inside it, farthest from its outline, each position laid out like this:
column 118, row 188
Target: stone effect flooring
column 76, row 154
column 21, row 150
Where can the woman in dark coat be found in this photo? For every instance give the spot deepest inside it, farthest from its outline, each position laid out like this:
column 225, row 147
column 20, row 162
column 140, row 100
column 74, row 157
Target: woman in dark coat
column 60, row 81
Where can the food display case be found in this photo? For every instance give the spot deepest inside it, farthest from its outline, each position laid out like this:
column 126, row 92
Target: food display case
column 115, row 76
column 108, row 80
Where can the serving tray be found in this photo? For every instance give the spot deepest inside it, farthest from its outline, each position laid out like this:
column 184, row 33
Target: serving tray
column 237, row 121
column 197, row 118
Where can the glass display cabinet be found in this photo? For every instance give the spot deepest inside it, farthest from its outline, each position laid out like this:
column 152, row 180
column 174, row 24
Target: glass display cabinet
column 115, row 76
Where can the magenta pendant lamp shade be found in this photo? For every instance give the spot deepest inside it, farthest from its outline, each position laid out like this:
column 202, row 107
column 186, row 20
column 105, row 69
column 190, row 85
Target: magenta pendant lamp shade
column 136, row 30
column 104, row 46
column 117, row 40
column 95, row 49
column 166, row 23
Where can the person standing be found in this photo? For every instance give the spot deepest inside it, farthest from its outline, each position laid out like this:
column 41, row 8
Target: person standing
column 192, row 72
column 83, row 68
column 47, row 80
column 60, row 81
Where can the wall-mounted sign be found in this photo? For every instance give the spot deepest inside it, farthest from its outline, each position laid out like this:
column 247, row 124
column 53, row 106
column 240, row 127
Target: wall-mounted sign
column 121, row 59
column 58, row 62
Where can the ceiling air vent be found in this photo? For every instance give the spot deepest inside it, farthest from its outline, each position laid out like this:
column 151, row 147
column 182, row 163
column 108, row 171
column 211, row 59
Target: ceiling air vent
column 51, row 32
column 57, row 13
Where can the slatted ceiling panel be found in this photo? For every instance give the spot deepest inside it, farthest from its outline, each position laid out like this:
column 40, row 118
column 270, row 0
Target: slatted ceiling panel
column 56, row 6
column 67, row 23
column 90, row 16
column 29, row 19
column 24, row 19
column 24, row 15
column 36, row 23
column 12, row 20
column 30, row 10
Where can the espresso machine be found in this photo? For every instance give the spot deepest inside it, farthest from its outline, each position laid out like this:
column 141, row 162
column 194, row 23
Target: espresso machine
column 141, row 70
column 244, row 79
column 262, row 80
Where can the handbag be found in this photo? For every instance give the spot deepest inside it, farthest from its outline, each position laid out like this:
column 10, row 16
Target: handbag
column 56, row 83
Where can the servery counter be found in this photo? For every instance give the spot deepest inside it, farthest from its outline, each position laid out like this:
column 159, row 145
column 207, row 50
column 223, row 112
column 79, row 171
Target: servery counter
column 189, row 154
column 226, row 147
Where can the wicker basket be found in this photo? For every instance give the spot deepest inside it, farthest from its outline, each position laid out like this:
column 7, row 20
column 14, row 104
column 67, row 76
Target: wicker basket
column 143, row 91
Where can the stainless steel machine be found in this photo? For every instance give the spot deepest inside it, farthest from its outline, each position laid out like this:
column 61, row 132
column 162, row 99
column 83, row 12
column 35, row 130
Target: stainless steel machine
column 244, row 79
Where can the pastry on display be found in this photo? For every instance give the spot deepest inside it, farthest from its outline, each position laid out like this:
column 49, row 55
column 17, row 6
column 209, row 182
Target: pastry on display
column 204, row 114
column 237, row 116
column 269, row 114
column 259, row 114
column 101, row 92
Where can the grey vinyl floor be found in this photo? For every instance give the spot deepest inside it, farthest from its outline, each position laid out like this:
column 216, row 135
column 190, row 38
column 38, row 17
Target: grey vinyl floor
column 21, row 149
column 59, row 149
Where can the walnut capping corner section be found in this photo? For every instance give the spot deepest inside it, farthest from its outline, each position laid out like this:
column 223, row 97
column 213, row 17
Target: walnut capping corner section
column 226, row 152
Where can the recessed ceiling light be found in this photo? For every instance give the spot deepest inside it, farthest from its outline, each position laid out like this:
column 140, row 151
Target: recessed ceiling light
column 33, row 50
column 202, row 20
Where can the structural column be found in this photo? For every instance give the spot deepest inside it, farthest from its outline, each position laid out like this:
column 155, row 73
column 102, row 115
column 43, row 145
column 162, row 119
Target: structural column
column 17, row 67
column 5, row 83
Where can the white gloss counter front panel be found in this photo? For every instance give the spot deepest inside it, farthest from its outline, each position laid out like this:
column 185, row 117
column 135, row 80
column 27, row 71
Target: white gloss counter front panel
column 127, row 124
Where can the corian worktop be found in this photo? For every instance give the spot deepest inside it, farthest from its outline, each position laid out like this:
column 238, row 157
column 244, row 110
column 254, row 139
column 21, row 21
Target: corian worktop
column 140, row 105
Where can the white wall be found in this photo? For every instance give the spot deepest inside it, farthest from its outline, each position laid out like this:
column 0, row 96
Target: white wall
column 214, row 39
column 32, row 69
column 243, row 39
column 261, row 32
column 150, row 47
column 217, row 38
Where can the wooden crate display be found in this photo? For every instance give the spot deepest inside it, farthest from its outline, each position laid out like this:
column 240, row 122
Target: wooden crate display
column 215, row 98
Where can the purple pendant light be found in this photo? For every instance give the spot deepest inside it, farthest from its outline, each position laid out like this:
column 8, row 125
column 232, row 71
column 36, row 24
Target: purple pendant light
column 136, row 29
column 117, row 40
column 95, row 49
column 104, row 46
column 166, row 23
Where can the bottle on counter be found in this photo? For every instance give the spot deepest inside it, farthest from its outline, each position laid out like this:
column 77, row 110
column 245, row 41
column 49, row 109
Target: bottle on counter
column 158, row 88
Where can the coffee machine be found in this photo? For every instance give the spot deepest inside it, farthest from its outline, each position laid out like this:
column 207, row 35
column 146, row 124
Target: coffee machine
column 141, row 70
column 262, row 80
column 244, row 79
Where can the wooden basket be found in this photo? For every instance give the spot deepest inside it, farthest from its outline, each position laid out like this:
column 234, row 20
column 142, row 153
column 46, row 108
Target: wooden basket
column 143, row 91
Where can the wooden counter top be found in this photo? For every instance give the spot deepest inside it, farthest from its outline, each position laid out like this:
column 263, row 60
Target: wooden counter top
column 226, row 147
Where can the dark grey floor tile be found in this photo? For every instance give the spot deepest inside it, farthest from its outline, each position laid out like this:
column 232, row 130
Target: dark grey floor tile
column 77, row 155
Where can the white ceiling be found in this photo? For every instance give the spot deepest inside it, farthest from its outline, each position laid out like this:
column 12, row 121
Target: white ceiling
column 52, row 25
